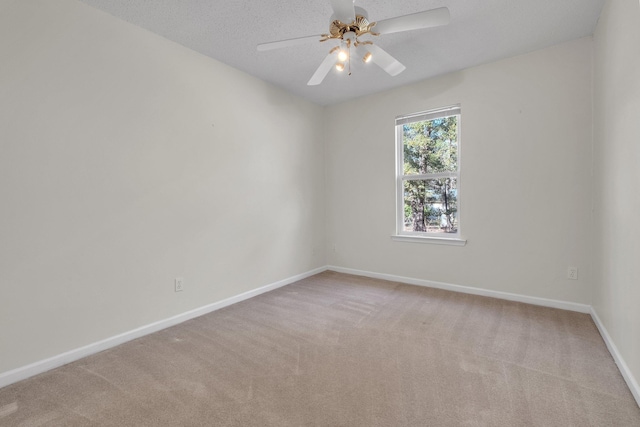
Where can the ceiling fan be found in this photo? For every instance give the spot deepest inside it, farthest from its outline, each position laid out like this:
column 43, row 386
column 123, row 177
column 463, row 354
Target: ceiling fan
column 350, row 26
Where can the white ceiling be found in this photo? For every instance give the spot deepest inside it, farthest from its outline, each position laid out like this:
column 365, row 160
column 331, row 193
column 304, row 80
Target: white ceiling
column 480, row 31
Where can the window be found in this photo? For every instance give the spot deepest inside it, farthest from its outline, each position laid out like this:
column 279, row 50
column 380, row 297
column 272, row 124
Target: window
column 428, row 174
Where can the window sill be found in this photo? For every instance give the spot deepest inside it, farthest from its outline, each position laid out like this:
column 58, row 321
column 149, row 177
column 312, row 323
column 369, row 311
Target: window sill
column 455, row 241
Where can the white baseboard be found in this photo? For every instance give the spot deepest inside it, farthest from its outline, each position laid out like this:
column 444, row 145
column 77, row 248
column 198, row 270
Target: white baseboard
column 617, row 357
column 36, row 368
column 565, row 305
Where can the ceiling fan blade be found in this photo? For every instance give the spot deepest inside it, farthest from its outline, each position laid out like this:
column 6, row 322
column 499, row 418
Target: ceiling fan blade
column 287, row 43
column 344, row 10
column 414, row 21
column 385, row 61
column 322, row 71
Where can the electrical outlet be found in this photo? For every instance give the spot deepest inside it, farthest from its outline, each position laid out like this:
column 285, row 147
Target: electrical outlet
column 572, row 273
column 179, row 284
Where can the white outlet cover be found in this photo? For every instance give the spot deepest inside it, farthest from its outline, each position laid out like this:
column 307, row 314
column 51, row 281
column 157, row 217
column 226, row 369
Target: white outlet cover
column 572, row 273
column 179, row 284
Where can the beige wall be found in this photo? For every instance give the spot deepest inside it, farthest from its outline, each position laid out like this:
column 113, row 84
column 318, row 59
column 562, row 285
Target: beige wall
column 525, row 194
column 617, row 176
column 126, row 161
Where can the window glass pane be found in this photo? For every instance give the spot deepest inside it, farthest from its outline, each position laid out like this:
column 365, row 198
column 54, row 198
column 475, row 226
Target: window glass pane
column 431, row 205
column 430, row 146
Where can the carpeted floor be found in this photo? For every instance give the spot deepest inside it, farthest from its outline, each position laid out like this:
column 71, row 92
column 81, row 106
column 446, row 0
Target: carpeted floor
column 340, row 350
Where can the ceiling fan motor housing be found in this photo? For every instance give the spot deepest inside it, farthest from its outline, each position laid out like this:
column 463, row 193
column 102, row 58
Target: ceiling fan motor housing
column 360, row 25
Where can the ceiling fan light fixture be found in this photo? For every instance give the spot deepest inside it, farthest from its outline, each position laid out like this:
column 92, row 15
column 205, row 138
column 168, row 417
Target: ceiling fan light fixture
column 340, row 66
column 343, row 55
column 367, row 57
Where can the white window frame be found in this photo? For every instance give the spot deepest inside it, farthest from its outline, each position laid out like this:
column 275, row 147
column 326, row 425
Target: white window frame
column 415, row 236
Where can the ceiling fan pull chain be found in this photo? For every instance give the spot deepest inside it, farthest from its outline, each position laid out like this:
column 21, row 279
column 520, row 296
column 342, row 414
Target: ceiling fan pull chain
column 349, row 47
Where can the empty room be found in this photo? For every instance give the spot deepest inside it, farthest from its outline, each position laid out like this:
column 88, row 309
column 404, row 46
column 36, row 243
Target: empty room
column 327, row 213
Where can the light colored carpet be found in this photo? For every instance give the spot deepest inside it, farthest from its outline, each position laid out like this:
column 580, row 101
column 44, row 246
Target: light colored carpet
column 340, row 350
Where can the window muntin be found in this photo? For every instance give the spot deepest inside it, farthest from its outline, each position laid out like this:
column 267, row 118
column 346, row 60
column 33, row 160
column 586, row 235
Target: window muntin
column 428, row 173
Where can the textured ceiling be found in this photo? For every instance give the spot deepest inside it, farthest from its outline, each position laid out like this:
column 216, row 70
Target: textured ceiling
column 479, row 32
